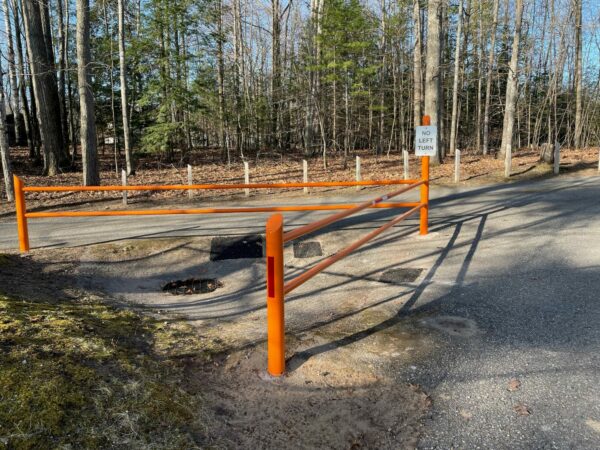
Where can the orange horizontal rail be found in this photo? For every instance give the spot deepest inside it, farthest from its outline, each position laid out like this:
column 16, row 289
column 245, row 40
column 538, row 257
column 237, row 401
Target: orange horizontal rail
column 301, row 279
column 161, row 212
column 187, row 187
column 311, row 227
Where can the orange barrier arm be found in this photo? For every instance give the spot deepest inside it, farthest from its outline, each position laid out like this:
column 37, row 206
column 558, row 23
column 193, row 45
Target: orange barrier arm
column 294, row 234
column 275, row 295
column 300, row 279
column 258, row 209
column 185, row 187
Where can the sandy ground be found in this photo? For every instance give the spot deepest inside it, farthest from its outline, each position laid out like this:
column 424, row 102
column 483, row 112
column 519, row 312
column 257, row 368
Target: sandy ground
column 349, row 396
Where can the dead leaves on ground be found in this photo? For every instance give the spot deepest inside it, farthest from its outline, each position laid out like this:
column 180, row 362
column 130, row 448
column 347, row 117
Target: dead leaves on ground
column 522, row 409
column 514, row 384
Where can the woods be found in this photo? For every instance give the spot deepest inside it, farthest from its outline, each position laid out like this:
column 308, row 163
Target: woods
column 323, row 78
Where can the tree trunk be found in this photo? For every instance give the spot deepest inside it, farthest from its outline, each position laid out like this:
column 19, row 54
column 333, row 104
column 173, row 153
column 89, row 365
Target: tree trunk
column 488, row 86
column 417, row 59
column 27, row 118
column 12, row 74
column 454, row 119
column 225, row 155
column 4, row 150
column 578, row 74
column 276, row 75
column 432, row 71
column 62, row 58
column 512, row 85
column 44, row 86
column 123, row 87
column 87, row 116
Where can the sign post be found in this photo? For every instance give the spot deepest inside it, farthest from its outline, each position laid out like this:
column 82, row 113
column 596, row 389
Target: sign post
column 425, row 146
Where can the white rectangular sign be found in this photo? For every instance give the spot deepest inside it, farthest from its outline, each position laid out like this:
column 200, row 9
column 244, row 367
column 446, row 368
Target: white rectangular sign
column 426, row 141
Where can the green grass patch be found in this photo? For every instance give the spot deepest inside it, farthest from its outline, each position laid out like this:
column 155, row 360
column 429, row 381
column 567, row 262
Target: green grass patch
column 87, row 375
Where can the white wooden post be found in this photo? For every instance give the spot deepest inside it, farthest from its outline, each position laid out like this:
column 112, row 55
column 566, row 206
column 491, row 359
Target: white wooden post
column 190, row 180
column 305, row 174
column 556, row 158
column 507, row 161
column 124, row 183
column 599, row 161
column 405, row 164
column 358, row 175
column 457, row 166
column 246, row 177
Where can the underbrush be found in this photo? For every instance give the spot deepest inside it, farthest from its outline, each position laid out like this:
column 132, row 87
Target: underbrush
column 82, row 374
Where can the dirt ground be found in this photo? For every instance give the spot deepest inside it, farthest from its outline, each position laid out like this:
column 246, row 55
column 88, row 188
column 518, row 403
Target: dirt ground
column 475, row 169
column 349, row 398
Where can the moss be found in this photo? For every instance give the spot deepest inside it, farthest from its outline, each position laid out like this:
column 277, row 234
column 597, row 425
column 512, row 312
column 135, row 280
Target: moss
column 4, row 260
column 88, row 375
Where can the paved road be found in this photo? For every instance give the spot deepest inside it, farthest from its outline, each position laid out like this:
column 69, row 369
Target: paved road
column 511, row 289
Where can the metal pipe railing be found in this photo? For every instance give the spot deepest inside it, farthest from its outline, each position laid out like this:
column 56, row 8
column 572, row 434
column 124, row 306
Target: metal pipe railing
column 275, row 239
column 23, row 215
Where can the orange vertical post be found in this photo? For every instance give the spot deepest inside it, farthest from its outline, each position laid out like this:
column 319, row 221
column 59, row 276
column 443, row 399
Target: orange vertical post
column 275, row 296
column 424, row 226
column 21, row 219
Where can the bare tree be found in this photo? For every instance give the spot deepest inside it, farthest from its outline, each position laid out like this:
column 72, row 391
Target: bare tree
column 454, row 119
column 123, row 82
column 44, row 86
column 12, row 72
column 4, row 150
column 432, row 71
column 578, row 74
column 489, row 77
column 512, row 85
column 87, row 115
column 417, row 58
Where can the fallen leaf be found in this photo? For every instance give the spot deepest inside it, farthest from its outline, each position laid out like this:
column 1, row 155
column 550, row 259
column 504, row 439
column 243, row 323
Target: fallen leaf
column 593, row 424
column 514, row 384
column 465, row 414
column 522, row 409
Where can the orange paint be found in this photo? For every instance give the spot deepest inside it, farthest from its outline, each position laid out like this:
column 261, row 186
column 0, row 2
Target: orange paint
column 294, row 234
column 424, row 225
column 21, row 215
column 185, row 187
column 163, row 212
column 275, row 296
column 301, row 279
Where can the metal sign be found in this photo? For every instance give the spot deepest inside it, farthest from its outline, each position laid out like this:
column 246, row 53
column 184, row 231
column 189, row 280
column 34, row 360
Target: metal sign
column 426, row 141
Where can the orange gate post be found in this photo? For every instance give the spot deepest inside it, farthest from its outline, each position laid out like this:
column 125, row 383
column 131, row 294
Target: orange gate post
column 21, row 219
column 424, row 226
column 275, row 295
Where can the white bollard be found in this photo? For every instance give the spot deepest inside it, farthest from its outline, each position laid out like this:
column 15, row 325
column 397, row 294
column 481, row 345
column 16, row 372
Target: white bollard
column 457, row 166
column 190, row 180
column 246, row 177
column 305, row 174
column 556, row 158
column 358, row 175
column 507, row 161
column 124, row 183
column 405, row 164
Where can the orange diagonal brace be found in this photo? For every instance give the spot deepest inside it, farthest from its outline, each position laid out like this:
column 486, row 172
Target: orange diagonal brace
column 294, row 234
column 300, row 279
